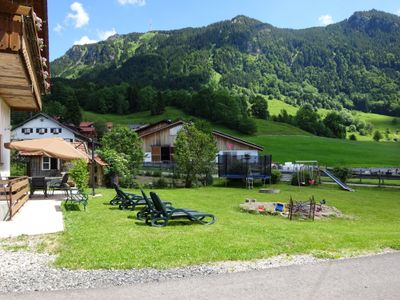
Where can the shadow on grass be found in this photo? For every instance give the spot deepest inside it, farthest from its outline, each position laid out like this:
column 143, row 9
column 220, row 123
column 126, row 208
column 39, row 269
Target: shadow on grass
column 172, row 223
column 72, row 207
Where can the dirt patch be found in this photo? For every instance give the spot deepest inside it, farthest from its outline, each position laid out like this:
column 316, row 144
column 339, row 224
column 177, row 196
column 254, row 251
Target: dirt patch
column 281, row 209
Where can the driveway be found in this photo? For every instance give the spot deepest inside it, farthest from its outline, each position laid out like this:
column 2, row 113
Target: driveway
column 372, row 277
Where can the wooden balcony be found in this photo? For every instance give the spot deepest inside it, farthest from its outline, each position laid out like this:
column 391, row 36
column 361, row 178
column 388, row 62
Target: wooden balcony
column 23, row 70
column 15, row 192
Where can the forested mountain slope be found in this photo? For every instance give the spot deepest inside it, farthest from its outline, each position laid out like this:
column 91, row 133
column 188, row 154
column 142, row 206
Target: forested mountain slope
column 354, row 63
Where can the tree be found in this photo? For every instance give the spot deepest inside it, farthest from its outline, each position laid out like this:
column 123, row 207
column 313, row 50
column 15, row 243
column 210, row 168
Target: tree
column 133, row 99
column 117, row 165
column 309, row 120
column 125, row 142
column 54, row 109
column 146, row 98
column 334, row 123
column 377, row 136
column 195, row 153
column 158, row 105
column 259, row 107
column 73, row 112
column 101, row 129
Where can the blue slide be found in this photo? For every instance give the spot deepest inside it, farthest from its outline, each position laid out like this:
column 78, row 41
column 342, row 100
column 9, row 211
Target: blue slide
column 337, row 180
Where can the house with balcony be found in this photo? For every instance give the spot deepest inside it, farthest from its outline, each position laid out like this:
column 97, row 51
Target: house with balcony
column 24, row 78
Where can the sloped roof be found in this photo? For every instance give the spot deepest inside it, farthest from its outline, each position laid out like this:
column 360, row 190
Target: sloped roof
column 166, row 126
column 86, row 124
column 41, row 114
column 237, row 140
column 216, row 133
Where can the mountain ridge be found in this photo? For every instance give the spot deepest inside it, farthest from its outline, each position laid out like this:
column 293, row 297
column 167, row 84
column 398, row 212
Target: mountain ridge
column 354, row 63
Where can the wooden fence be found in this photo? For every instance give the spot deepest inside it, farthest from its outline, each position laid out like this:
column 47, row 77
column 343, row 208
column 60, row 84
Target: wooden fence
column 16, row 192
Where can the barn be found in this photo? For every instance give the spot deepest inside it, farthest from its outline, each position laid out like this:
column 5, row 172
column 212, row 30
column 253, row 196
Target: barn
column 159, row 139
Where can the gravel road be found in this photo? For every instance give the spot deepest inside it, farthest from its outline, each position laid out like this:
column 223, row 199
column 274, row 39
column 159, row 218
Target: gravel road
column 22, row 271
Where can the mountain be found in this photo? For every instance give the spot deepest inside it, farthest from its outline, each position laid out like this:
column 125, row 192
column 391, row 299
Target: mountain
column 354, row 63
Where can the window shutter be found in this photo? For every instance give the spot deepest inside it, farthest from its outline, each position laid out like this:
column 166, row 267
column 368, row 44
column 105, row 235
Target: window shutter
column 156, row 153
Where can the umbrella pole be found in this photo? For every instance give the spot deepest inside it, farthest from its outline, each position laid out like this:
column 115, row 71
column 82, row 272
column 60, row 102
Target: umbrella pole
column 92, row 167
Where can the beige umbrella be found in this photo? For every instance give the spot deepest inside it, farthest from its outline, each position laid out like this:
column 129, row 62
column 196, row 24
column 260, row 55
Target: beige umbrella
column 51, row 147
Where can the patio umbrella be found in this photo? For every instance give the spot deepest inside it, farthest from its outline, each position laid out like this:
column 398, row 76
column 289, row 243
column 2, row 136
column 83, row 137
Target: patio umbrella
column 51, row 147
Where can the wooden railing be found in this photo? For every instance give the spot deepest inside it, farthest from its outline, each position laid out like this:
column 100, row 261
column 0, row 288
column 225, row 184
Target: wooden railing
column 16, row 192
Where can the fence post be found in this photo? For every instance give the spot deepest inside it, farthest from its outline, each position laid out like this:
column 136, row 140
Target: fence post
column 10, row 201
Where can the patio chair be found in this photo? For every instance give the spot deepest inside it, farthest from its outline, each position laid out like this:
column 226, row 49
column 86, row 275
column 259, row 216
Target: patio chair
column 128, row 200
column 76, row 196
column 38, row 183
column 163, row 215
column 149, row 209
column 119, row 197
column 59, row 184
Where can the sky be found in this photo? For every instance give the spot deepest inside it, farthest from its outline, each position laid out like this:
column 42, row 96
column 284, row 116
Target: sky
column 88, row 21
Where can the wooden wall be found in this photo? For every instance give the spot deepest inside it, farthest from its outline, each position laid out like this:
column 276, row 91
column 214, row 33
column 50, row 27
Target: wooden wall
column 35, row 168
column 160, row 138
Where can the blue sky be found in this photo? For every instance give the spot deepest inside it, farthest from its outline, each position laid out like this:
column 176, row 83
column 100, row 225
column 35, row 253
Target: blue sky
column 86, row 21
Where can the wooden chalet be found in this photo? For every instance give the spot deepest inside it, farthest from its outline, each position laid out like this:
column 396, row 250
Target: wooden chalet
column 159, row 140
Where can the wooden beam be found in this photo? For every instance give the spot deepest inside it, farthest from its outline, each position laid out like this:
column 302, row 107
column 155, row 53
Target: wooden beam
column 14, row 8
column 11, row 76
column 15, row 87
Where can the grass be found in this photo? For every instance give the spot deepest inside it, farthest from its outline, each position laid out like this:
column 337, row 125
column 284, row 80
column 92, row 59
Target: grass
column 105, row 237
column 331, row 152
column 283, row 141
column 380, row 122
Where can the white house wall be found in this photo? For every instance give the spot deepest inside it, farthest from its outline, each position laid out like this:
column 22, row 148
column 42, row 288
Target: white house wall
column 5, row 138
column 42, row 122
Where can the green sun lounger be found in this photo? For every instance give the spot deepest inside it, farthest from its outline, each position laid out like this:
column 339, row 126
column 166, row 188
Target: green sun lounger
column 163, row 214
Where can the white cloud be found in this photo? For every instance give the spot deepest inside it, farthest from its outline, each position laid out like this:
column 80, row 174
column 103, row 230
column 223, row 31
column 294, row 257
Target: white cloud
column 58, row 28
column 80, row 16
column 325, row 20
column 133, row 2
column 84, row 41
column 398, row 12
column 103, row 35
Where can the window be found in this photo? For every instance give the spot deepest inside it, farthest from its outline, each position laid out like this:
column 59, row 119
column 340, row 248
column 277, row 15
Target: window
column 26, row 130
column 55, row 130
column 41, row 130
column 49, row 163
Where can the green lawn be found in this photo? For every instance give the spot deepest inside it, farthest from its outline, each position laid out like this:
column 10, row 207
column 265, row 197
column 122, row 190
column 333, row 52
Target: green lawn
column 105, row 237
column 331, row 152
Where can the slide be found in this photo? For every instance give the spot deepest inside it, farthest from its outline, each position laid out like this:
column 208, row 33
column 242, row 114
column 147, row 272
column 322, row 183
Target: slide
column 337, row 180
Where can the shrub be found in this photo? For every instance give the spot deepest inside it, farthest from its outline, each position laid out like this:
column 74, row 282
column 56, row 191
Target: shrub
column 377, row 136
column 80, row 174
column 363, row 132
column 352, row 137
column 157, row 173
column 352, row 128
column 276, row 176
column 342, row 173
column 160, row 183
column 247, row 125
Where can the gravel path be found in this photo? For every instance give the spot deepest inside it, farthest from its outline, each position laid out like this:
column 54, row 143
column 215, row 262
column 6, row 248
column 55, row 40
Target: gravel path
column 22, row 271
